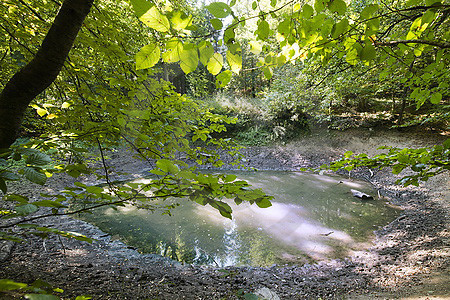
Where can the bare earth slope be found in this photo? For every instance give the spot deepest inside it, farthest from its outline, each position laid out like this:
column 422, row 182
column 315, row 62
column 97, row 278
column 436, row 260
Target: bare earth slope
column 408, row 260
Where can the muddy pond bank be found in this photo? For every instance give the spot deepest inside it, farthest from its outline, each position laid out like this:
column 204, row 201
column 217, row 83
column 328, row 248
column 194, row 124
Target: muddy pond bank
column 409, row 257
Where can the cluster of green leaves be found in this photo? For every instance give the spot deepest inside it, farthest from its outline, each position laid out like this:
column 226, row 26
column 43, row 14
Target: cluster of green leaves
column 174, row 28
column 174, row 43
column 33, row 169
column 423, row 162
column 28, row 163
column 206, row 188
column 38, row 290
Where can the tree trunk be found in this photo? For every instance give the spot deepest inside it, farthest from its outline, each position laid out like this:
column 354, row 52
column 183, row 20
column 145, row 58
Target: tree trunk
column 42, row 70
column 403, row 106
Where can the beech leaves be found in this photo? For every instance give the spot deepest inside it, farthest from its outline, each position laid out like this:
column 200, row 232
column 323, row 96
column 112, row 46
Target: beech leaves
column 173, row 49
column 148, row 56
column 154, row 19
column 298, row 32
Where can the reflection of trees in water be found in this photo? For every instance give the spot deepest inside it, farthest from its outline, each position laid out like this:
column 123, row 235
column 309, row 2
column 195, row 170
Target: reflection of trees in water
column 260, row 253
column 302, row 224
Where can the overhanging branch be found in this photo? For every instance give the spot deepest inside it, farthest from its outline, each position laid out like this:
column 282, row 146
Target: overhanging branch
column 443, row 45
column 42, row 70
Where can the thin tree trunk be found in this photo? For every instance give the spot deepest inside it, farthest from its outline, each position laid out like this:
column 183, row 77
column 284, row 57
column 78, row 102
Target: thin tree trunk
column 402, row 111
column 166, row 71
column 393, row 103
column 42, row 70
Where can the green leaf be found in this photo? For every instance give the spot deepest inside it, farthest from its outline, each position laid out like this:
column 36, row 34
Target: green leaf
column 281, row 60
column 339, row 28
column 34, row 175
column 9, row 285
column 432, row 2
column 223, row 78
column 16, row 197
column 254, row 5
column 234, row 61
column 219, row 9
column 26, row 209
column 368, row 11
column 338, row 6
column 167, row 166
column 255, row 47
column 180, row 20
column 49, row 203
column 216, row 23
column 154, row 19
column 7, row 237
column 121, row 121
column 206, row 52
column 41, row 284
column 224, row 208
column 446, row 144
column 215, row 64
column 263, row 202
column 41, row 297
column 320, row 5
column 174, row 48
column 284, row 27
column 231, row 177
column 41, row 111
column 372, row 27
column 428, row 16
column 147, row 57
column 141, row 6
column 268, row 72
column 396, row 169
column 66, row 234
column 189, row 60
column 368, row 52
column 263, row 30
column 229, row 35
column 436, row 98
column 225, row 214
column 307, row 11
column 94, row 189
column 39, row 159
column 417, row 27
column 66, row 105
column 352, row 54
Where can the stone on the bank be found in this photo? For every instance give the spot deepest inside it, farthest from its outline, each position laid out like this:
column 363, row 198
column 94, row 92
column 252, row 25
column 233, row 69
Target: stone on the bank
column 266, row 294
column 5, row 249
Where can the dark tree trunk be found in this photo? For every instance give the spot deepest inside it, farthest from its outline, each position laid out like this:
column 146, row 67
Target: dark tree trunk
column 42, row 70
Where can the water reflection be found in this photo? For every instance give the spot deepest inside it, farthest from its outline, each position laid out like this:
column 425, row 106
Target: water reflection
column 313, row 217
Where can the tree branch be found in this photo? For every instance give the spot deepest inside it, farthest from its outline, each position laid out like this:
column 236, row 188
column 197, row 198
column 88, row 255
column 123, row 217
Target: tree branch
column 443, row 45
column 81, row 210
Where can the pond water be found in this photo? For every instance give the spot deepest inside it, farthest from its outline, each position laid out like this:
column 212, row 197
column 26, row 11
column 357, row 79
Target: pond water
column 312, row 217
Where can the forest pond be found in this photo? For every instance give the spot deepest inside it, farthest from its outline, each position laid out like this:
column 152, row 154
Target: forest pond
column 312, row 217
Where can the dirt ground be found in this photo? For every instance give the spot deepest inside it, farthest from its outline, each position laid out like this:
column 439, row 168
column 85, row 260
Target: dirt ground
column 408, row 260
